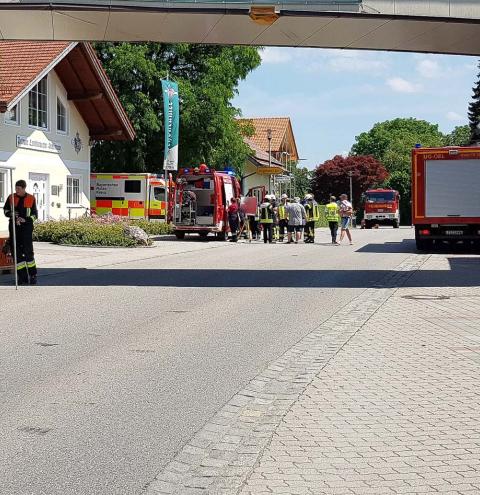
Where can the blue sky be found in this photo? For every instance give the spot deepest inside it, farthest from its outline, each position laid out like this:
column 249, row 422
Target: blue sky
column 333, row 95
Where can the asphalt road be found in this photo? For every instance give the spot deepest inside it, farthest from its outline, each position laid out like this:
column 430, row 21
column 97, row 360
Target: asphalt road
column 117, row 357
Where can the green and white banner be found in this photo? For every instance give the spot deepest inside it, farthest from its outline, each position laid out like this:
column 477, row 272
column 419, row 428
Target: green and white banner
column 172, row 120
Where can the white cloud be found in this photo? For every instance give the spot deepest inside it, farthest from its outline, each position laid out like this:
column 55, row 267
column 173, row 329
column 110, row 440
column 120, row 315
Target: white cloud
column 455, row 117
column 401, row 85
column 272, row 55
column 428, row 68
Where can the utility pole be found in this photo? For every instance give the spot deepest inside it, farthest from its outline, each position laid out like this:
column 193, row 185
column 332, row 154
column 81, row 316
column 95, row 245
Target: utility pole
column 269, row 137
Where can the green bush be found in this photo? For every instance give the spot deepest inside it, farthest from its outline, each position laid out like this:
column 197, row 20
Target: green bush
column 323, row 221
column 82, row 232
column 153, row 228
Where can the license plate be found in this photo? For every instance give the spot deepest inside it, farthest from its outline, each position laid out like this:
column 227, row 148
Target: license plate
column 454, row 232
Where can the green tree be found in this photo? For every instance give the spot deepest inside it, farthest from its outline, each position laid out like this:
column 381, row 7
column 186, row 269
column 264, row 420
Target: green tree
column 207, row 77
column 302, row 178
column 460, row 136
column 391, row 143
column 474, row 113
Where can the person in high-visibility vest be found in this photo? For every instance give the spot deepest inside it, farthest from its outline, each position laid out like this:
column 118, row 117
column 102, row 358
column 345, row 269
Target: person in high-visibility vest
column 332, row 215
column 25, row 214
column 266, row 219
column 313, row 215
column 282, row 217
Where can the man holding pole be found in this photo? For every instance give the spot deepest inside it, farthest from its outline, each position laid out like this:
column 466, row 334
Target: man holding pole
column 21, row 209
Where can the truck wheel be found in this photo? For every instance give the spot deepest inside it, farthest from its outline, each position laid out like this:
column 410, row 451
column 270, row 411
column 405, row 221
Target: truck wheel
column 395, row 224
column 424, row 244
column 179, row 235
column 203, row 235
column 368, row 224
column 221, row 236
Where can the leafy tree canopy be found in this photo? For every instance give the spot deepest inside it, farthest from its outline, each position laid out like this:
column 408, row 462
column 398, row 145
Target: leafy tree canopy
column 460, row 136
column 391, row 142
column 332, row 177
column 207, row 77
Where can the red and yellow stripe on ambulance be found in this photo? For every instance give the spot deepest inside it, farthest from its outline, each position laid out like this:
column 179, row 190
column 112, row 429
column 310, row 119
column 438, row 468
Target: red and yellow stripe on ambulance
column 129, row 195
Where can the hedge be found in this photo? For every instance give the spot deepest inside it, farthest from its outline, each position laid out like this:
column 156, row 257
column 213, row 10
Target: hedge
column 95, row 231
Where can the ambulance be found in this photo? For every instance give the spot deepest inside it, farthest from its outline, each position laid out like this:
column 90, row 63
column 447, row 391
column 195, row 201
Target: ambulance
column 139, row 195
column 202, row 196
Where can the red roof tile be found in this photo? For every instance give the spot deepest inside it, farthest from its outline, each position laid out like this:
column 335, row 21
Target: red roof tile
column 280, row 127
column 82, row 75
column 21, row 62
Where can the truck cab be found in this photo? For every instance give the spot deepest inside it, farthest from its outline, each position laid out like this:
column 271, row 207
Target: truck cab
column 201, row 201
column 382, row 207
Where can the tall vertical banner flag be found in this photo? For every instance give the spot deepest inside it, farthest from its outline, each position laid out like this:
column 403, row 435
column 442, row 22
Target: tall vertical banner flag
column 172, row 120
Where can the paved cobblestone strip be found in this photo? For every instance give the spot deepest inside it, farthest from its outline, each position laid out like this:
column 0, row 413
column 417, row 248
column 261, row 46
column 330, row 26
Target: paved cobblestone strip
column 222, row 455
column 397, row 411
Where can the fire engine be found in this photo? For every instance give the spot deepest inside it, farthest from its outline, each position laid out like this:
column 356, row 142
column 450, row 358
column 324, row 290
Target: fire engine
column 445, row 199
column 139, row 195
column 202, row 196
column 382, row 206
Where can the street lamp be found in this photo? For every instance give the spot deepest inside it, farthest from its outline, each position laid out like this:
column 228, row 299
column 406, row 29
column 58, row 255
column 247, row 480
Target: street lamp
column 269, row 137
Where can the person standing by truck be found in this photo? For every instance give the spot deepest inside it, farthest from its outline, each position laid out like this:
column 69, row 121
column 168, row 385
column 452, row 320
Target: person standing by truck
column 25, row 214
column 311, row 209
column 282, row 217
column 233, row 220
column 331, row 214
column 266, row 219
column 296, row 219
column 346, row 212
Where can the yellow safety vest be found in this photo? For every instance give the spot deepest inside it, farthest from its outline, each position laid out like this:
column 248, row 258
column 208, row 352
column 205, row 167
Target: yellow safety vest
column 266, row 214
column 282, row 212
column 331, row 212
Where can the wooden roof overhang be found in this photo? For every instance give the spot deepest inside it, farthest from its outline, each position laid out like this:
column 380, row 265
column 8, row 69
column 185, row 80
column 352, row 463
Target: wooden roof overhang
column 89, row 88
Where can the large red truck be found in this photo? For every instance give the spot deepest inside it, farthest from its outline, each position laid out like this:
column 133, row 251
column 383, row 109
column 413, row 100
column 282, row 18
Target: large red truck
column 446, row 195
column 382, row 207
column 201, row 200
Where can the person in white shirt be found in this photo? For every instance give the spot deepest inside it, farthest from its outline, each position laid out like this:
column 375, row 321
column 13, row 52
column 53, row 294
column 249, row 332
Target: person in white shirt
column 346, row 212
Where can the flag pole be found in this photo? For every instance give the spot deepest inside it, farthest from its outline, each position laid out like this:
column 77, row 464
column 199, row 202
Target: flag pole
column 14, row 233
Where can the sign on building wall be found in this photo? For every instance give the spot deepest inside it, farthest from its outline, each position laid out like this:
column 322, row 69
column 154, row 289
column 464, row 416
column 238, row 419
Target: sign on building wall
column 34, row 144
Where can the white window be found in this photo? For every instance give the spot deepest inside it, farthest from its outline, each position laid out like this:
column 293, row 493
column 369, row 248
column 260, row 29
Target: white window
column 13, row 116
column 73, row 190
column 61, row 117
column 3, row 186
column 38, row 105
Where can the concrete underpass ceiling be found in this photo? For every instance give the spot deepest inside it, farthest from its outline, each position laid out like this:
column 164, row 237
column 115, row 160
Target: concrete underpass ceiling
column 212, row 24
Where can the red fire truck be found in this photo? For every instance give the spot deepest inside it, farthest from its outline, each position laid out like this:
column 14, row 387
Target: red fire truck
column 202, row 196
column 445, row 195
column 382, row 207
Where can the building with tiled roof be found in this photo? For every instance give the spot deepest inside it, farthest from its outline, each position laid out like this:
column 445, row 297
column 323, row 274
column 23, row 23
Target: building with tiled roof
column 283, row 145
column 55, row 100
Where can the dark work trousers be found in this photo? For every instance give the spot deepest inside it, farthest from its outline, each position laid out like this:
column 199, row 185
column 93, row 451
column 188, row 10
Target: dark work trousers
column 267, row 232
column 310, row 231
column 333, row 230
column 25, row 259
column 253, row 226
column 233, row 224
column 282, row 225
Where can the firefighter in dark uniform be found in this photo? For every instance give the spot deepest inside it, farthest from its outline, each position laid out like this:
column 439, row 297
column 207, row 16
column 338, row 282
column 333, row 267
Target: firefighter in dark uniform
column 313, row 215
column 25, row 214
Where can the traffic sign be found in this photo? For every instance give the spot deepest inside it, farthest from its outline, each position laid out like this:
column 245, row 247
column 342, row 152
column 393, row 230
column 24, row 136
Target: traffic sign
column 270, row 170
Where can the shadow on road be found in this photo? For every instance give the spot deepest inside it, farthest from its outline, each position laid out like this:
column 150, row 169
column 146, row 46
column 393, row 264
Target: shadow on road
column 404, row 246
column 463, row 272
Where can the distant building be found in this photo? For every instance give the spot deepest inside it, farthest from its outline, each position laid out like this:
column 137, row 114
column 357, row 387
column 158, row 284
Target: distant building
column 283, row 153
column 55, row 100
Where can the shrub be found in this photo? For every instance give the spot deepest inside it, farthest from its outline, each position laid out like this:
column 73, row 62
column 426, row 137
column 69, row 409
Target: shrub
column 83, row 232
column 153, row 228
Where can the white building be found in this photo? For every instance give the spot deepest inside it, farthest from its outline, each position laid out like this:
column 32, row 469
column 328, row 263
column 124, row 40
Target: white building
column 55, row 99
